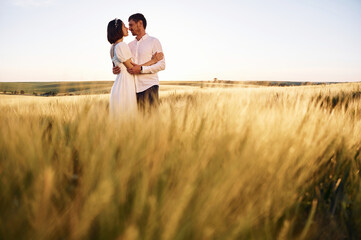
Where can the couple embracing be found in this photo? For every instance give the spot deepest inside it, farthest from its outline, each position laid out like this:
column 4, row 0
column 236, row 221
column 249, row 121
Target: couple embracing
column 136, row 65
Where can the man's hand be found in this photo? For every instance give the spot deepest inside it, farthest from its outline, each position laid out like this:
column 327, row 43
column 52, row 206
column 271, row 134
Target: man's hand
column 135, row 69
column 116, row 70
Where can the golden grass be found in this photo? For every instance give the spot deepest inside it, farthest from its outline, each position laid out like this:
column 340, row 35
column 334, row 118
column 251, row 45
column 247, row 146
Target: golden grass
column 254, row 163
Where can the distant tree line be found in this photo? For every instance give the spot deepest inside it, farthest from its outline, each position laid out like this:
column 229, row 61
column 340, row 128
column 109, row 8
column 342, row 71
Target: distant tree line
column 22, row 92
column 50, row 93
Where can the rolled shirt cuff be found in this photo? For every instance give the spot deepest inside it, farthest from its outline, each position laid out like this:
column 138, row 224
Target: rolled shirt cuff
column 145, row 69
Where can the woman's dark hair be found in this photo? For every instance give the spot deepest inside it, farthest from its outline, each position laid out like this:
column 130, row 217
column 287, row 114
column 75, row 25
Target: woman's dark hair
column 115, row 30
column 138, row 16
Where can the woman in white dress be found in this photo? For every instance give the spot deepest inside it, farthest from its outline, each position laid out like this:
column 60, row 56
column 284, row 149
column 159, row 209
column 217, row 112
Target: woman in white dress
column 123, row 99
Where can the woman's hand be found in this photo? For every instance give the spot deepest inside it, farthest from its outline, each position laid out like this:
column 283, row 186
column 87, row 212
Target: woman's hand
column 157, row 56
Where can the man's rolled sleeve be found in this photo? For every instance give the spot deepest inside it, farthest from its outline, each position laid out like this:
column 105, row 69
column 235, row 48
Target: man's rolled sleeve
column 159, row 66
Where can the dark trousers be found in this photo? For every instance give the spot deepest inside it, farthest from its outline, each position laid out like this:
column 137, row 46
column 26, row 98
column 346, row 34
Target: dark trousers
column 148, row 99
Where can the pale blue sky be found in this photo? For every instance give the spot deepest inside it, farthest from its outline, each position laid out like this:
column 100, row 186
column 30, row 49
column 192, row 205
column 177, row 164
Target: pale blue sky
column 53, row 40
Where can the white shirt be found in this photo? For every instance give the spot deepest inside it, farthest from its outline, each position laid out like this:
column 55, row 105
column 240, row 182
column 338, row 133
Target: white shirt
column 142, row 52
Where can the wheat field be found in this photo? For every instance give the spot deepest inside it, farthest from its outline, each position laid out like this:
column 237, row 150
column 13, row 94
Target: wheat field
column 227, row 163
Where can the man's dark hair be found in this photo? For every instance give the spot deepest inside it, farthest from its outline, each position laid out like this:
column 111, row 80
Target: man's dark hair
column 138, row 16
column 115, row 30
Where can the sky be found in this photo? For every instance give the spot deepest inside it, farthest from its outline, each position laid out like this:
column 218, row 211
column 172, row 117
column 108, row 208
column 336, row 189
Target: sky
column 276, row 40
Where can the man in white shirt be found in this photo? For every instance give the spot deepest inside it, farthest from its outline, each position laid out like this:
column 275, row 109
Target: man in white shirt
column 143, row 48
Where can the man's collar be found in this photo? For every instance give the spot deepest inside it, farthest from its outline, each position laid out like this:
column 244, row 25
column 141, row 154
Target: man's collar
column 143, row 38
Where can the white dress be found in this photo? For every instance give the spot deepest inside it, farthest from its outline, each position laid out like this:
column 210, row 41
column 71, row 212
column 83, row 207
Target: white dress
column 123, row 100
